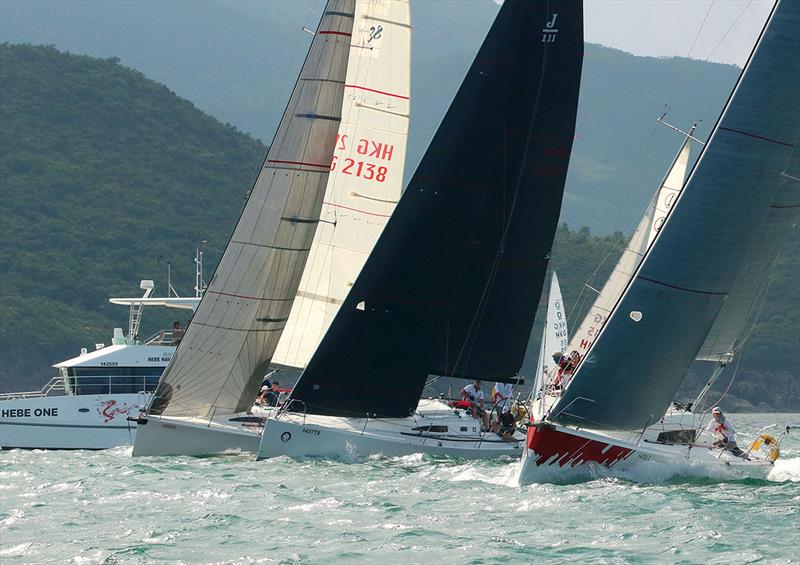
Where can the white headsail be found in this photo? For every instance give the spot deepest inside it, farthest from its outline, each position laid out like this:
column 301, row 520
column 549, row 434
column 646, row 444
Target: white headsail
column 555, row 336
column 641, row 239
column 366, row 178
column 231, row 340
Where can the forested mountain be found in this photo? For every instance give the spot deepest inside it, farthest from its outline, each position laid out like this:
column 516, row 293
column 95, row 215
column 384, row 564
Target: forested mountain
column 237, row 60
column 107, row 176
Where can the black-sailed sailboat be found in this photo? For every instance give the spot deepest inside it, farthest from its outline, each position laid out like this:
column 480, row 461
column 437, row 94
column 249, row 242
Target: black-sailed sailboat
column 452, row 286
column 693, row 293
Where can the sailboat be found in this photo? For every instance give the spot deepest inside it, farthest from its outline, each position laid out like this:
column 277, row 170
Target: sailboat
column 452, row 286
column 692, row 285
column 331, row 179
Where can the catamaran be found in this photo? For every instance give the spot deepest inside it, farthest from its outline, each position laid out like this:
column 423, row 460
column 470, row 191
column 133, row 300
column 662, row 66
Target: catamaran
column 331, row 179
column 693, row 293
column 86, row 405
column 453, row 283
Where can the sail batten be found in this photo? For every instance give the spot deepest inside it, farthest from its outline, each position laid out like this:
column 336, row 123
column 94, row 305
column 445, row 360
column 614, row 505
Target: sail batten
column 644, row 350
column 479, row 214
column 227, row 348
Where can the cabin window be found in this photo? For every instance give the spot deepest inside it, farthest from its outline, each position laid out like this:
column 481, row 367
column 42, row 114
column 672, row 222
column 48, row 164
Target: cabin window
column 113, row 380
column 677, row 436
column 431, row 429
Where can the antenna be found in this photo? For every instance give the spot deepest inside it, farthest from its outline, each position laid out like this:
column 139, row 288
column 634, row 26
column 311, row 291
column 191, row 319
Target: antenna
column 688, row 134
column 199, row 283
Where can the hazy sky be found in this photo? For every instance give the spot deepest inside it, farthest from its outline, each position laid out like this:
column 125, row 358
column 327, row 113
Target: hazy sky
column 669, row 27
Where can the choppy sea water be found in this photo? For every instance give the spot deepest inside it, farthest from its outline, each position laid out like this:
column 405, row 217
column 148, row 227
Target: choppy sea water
column 106, row 507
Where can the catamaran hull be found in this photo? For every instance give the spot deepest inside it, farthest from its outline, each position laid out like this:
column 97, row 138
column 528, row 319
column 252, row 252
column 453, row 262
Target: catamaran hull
column 160, row 436
column 69, row 422
column 356, row 439
column 555, row 453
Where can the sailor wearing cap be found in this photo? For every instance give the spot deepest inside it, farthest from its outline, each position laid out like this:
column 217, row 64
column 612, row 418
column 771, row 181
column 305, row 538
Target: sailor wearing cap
column 723, row 430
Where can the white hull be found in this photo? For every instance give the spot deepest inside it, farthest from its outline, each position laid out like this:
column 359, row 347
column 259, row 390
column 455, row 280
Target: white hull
column 298, row 435
column 69, row 422
column 163, row 435
column 555, row 453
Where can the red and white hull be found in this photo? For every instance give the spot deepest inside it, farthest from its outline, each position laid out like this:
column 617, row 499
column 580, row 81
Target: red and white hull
column 555, row 453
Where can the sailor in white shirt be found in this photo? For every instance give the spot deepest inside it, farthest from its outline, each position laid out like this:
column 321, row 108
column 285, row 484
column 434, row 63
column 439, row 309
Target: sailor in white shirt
column 724, row 431
column 502, row 396
column 474, row 394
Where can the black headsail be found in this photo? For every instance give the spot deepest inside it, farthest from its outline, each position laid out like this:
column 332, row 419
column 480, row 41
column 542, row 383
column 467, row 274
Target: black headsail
column 465, row 253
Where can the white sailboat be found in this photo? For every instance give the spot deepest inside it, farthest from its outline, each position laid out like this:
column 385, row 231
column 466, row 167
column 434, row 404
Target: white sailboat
column 344, row 130
column 693, row 293
column 452, row 286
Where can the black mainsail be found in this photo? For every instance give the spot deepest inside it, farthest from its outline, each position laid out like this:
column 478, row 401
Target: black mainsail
column 460, row 264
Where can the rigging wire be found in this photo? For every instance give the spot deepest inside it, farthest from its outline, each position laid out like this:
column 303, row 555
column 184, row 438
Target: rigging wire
column 699, row 31
column 729, row 30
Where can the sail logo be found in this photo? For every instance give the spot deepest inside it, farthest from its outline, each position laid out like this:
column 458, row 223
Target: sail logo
column 550, row 31
column 375, row 32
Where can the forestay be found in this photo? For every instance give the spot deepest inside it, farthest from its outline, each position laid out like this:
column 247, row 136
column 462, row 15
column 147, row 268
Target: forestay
column 641, row 356
column 366, row 178
column 732, row 326
column 228, row 346
column 479, row 214
column 632, row 255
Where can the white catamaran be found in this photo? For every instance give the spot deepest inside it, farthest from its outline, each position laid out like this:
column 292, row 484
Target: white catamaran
column 331, row 180
column 86, row 405
column 453, row 283
column 693, row 293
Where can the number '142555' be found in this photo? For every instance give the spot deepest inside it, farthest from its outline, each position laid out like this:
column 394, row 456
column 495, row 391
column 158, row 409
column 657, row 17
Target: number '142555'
column 366, row 171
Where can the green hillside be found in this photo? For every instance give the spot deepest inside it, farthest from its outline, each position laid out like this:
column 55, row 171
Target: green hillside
column 107, row 176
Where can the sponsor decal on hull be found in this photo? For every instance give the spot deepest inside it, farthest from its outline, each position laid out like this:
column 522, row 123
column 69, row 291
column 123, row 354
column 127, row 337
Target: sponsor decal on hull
column 550, row 446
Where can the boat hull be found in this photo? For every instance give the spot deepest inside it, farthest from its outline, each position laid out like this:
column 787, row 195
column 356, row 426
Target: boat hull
column 351, row 438
column 69, row 422
column 162, row 435
column 556, row 453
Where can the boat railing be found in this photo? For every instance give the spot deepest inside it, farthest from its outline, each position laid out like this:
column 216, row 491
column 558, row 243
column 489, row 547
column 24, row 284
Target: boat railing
column 56, row 384
column 163, row 337
column 109, row 384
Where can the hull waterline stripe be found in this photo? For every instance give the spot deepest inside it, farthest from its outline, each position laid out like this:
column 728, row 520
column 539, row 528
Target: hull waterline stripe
column 89, row 426
column 357, row 87
column 761, row 137
column 356, row 210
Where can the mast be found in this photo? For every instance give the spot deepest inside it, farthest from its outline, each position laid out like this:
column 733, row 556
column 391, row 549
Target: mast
column 467, row 247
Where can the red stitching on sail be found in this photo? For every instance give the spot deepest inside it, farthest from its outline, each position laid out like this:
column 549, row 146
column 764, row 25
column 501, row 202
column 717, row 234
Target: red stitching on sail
column 376, row 91
column 334, row 33
column 356, row 210
column 297, row 163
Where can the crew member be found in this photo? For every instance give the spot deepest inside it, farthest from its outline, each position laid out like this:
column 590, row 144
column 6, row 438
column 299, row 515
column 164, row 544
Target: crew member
column 502, row 396
column 474, row 394
column 724, row 431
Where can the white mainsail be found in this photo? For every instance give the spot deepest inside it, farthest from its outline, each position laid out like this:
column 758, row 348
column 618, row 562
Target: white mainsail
column 641, row 239
column 231, row 340
column 366, row 178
